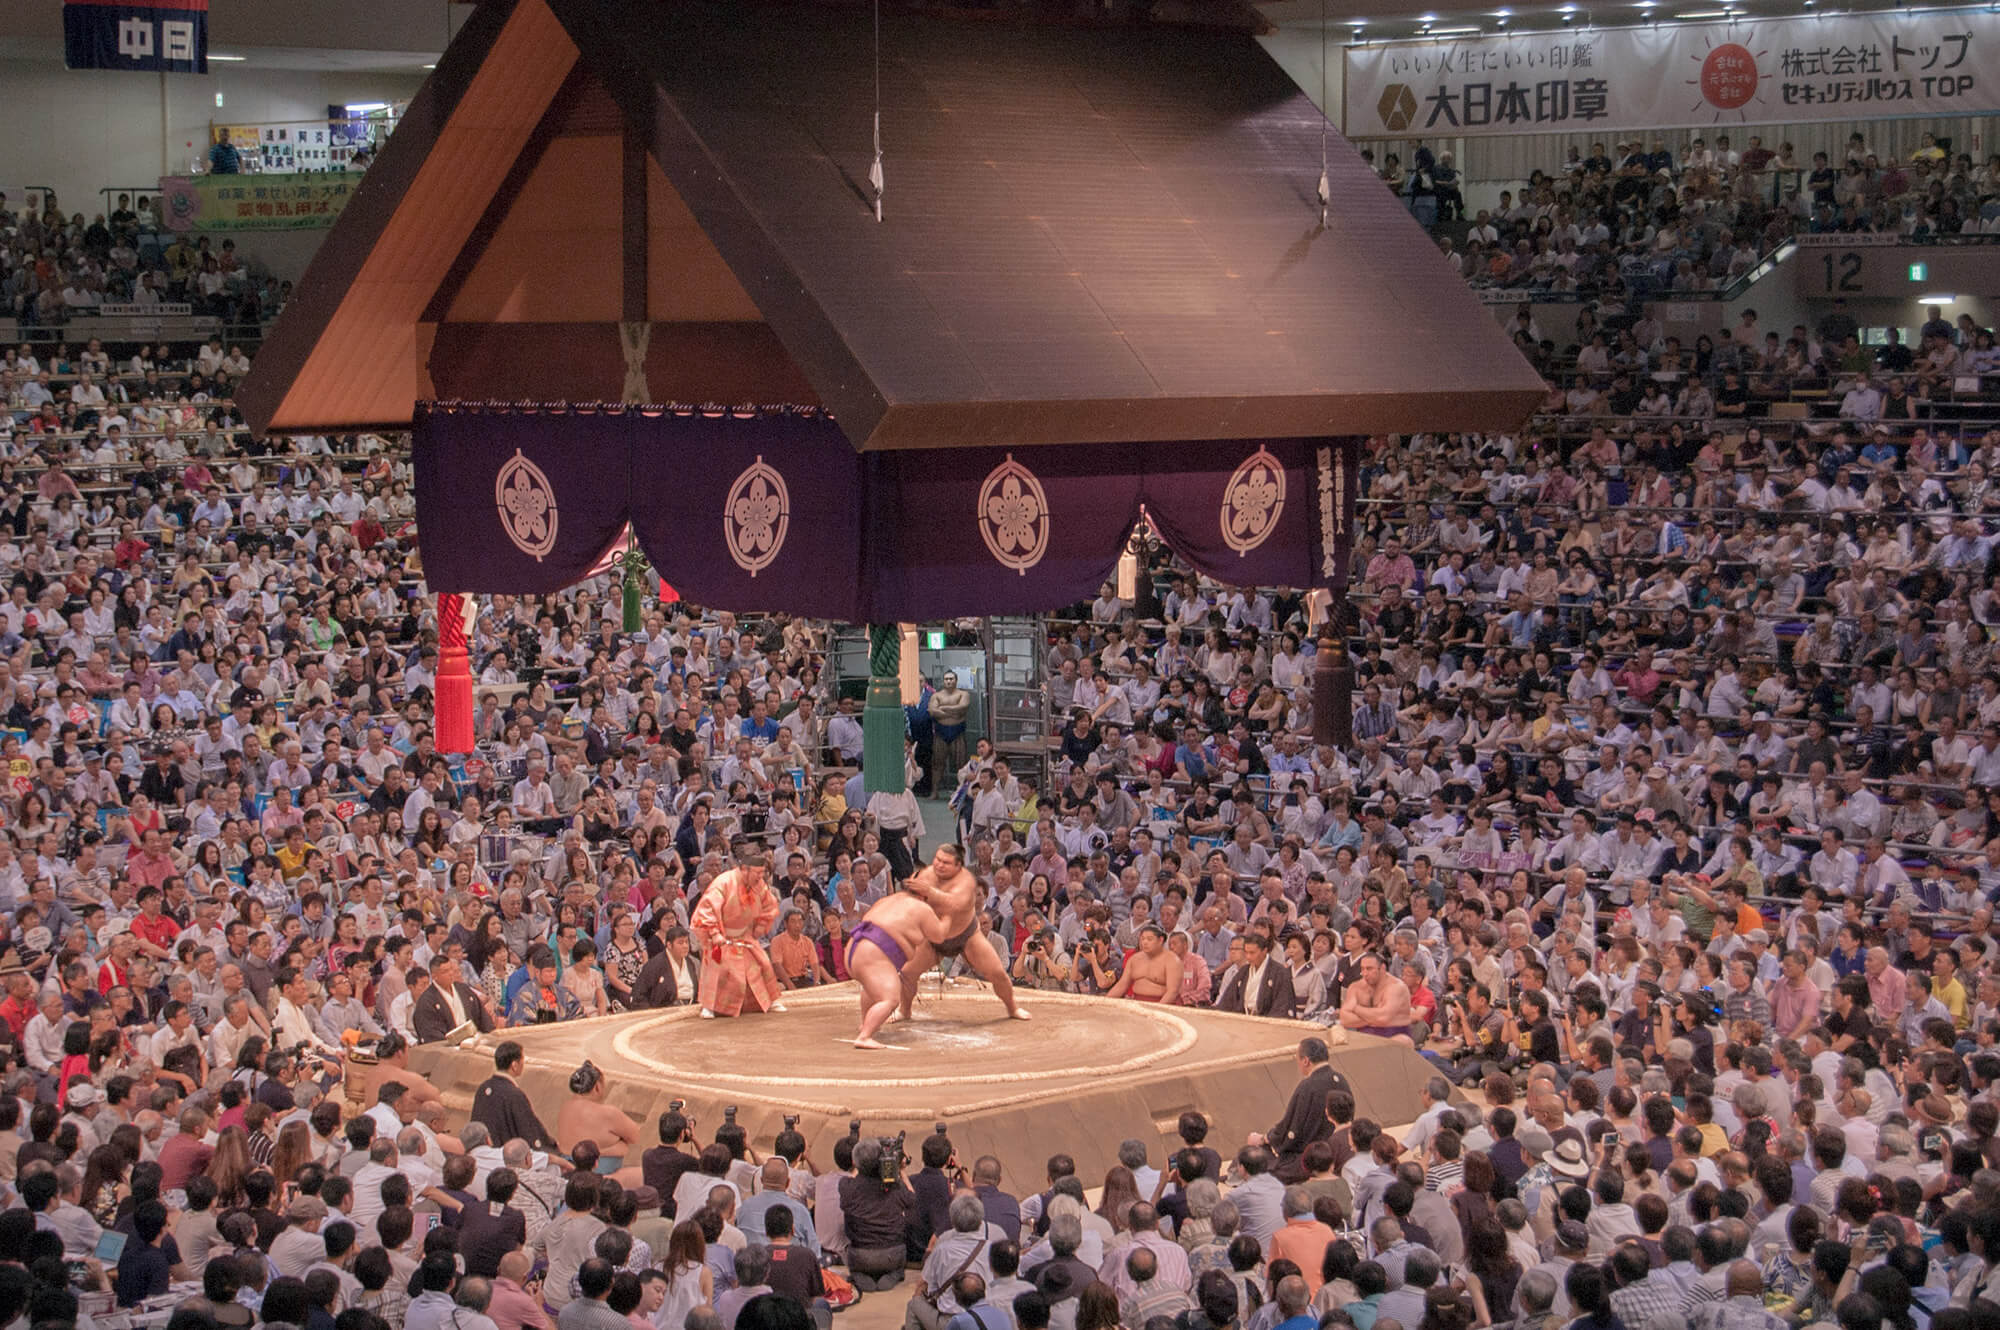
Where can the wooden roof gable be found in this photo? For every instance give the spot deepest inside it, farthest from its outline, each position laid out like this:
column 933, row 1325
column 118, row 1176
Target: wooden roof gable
column 1090, row 234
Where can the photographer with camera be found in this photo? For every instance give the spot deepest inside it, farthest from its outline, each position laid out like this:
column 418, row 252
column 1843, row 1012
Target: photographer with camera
column 1479, row 1034
column 1530, row 1032
column 663, row 1166
column 880, row 1213
column 790, row 1146
column 932, row 1184
column 1041, row 963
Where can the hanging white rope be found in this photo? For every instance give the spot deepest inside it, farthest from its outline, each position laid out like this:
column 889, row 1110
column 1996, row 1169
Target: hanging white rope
column 1325, row 112
column 633, row 340
column 875, row 171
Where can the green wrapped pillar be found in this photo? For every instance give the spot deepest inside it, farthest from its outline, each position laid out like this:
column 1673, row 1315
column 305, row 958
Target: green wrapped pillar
column 635, row 586
column 882, row 723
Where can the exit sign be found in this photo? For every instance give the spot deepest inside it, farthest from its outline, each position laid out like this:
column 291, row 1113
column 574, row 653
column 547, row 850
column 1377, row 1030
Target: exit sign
column 1920, row 272
column 933, row 640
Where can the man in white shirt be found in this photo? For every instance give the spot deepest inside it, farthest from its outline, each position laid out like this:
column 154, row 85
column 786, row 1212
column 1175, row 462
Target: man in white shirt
column 294, row 1024
column 901, row 823
column 405, row 1002
column 1860, row 811
column 1436, row 1096
column 1863, row 401
column 366, row 1206
column 43, row 1040
column 534, row 798
column 300, row 1246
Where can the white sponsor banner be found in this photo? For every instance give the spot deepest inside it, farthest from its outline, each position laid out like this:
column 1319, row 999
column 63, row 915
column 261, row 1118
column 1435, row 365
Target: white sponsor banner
column 166, row 310
column 1851, row 239
column 1684, row 76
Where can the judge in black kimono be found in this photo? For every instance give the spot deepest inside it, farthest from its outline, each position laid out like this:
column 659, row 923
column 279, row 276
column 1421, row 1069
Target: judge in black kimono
column 672, row 978
column 1262, row 986
column 502, row 1107
column 446, row 1005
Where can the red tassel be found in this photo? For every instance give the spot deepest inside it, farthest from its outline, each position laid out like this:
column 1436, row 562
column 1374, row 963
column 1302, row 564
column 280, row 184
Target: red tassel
column 451, row 693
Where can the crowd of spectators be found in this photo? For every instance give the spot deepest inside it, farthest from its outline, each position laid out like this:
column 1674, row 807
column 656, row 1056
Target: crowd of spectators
column 56, row 266
column 1638, row 219
column 1669, row 832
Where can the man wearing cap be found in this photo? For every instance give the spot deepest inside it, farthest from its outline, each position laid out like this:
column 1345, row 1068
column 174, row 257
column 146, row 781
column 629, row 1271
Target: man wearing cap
column 300, row 1246
column 1757, row 945
column 1763, row 745
column 1566, row 1249
column 84, row 1102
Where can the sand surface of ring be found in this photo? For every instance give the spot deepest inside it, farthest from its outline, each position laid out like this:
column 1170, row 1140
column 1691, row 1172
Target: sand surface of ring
column 954, row 1037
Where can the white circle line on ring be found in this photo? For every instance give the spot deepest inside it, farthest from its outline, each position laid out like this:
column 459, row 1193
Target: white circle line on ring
column 1185, row 1037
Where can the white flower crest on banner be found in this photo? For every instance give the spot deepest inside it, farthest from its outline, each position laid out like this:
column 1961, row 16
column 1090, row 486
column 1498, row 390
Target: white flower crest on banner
column 755, row 516
column 1252, row 502
column 527, row 506
column 1014, row 516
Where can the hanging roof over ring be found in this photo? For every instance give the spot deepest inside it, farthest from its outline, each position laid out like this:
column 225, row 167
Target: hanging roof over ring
column 1091, row 234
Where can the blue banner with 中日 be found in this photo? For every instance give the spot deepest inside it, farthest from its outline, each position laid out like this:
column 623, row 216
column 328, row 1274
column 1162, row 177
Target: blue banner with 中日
column 167, row 36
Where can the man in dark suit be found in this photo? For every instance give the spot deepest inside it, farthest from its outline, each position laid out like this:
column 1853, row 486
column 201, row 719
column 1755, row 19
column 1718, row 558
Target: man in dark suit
column 671, row 978
column 502, row 1107
column 1305, row 1119
column 487, row 1232
column 433, row 1016
column 1001, row 1209
column 1263, row 987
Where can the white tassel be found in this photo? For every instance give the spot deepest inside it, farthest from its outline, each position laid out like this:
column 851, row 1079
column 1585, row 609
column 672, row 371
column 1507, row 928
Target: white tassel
column 634, row 338
column 1325, row 197
column 875, row 171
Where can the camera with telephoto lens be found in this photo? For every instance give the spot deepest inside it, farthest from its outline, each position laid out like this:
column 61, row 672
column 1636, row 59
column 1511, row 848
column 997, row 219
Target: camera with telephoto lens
column 729, row 1114
column 854, row 1129
column 791, row 1122
column 676, row 1105
column 893, row 1158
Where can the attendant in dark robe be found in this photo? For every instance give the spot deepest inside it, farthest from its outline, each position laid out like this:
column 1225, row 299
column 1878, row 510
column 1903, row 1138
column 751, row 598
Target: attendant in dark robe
column 1305, row 1119
column 503, row 1108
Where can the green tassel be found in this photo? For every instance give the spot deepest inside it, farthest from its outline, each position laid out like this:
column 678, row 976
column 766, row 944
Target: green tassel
column 882, row 721
column 635, row 588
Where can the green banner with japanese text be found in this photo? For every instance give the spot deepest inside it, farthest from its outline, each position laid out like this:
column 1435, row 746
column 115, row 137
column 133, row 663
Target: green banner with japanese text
column 255, row 202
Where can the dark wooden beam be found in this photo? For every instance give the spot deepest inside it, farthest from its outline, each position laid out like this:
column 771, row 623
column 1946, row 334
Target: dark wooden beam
column 633, row 178
column 731, row 363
